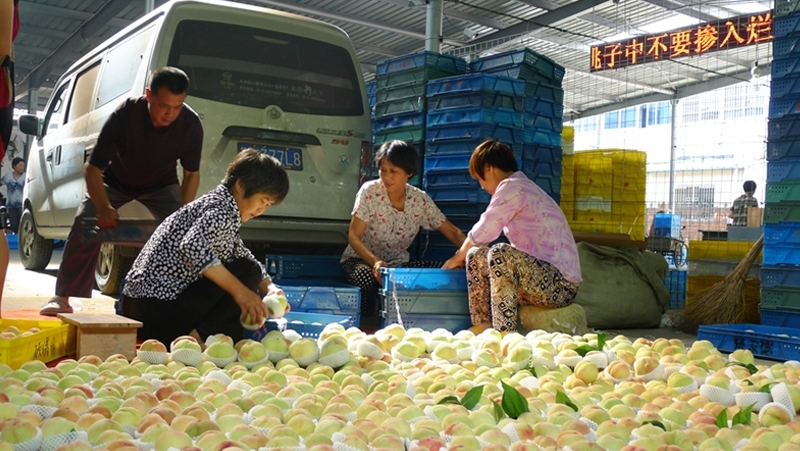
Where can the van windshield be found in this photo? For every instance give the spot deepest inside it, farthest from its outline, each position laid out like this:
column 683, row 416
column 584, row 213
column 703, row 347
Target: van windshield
column 257, row 68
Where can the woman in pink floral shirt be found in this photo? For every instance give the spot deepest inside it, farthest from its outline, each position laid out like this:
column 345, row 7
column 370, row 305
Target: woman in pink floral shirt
column 387, row 216
column 540, row 266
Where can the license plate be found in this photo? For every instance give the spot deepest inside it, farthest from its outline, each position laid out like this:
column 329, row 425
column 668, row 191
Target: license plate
column 290, row 158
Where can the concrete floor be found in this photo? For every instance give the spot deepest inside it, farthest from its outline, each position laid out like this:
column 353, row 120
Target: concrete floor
column 26, row 290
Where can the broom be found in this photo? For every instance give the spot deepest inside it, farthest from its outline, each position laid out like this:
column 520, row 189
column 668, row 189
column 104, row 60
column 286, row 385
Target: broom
column 724, row 302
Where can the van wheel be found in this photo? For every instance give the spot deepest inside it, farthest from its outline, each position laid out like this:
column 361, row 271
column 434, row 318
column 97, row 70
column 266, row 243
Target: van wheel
column 111, row 269
column 34, row 251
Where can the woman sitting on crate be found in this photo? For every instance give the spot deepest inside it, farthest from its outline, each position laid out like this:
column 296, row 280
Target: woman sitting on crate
column 540, row 267
column 387, row 216
column 194, row 273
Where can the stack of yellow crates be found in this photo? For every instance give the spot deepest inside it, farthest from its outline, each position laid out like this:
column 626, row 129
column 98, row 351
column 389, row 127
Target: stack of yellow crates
column 711, row 261
column 628, row 191
column 609, row 192
column 567, row 201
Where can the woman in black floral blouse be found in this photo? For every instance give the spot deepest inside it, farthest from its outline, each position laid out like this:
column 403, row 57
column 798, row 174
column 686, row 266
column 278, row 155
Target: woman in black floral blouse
column 194, row 272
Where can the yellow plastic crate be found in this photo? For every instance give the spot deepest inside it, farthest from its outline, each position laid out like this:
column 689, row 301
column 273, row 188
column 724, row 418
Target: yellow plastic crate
column 629, row 157
column 55, row 339
column 588, row 189
column 720, row 250
column 592, row 215
column 634, row 230
column 628, row 208
column 568, row 134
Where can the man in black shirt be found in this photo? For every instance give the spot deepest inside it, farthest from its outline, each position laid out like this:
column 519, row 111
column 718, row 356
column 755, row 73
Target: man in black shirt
column 135, row 159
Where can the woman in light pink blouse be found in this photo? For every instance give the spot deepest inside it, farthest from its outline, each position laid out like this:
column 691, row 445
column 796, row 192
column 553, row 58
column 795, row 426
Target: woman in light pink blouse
column 387, row 216
column 540, row 266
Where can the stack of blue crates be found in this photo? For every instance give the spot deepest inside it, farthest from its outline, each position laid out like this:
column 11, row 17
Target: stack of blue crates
column 462, row 111
column 676, row 285
column 401, row 105
column 372, row 97
column 543, row 112
column 425, row 298
column 667, row 225
column 780, row 274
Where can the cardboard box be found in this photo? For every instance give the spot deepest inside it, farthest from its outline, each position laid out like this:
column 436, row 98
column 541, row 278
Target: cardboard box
column 754, row 215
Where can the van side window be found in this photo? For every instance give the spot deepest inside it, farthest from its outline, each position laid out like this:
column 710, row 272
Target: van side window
column 55, row 115
column 121, row 66
column 81, row 102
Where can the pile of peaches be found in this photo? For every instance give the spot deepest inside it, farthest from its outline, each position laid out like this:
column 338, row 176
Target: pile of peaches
column 403, row 390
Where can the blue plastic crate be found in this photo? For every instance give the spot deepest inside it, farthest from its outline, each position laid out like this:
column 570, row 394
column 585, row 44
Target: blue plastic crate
column 544, row 91
column 781, row 213
column 372, row 87
column 783, row 107
column 548, row 184
column 462, row 209
column 460, row 146
column 768, row 342
column 543, row 153
column 786, row 86
column 453, row 323
column 449, row 63
column 545, row 68
column 786, row 46
column 400, row 106
column 452, row 161
column 534, row 167
column 416, row 119
column 461, row 116
column 782, row 67
column 780, row 149
column 543, row 137
column 426, row 302
column 479, row 82
column 413, row 76
column 475, row 99
column 408, row 134
column 676, row 285
column 288, row 266
column 459, row 193
column 526, row 73
column 780, row 277
column 424, row 279
column 13, row 241
column 437, row 178
column 306, row 324
column 544, row 107
column 406, row 91
column 781, row 318
column 781, row 254
column 322, row 296
column 667, row 225
column 785, row 169
column 786, row 7
column 543, row 122
column 502, row 133
column 782, row 234
column 784, row 26
column 785, row 192
column 780, row 129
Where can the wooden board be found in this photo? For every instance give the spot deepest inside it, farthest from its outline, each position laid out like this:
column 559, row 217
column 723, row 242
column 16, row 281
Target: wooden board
column 103, row 334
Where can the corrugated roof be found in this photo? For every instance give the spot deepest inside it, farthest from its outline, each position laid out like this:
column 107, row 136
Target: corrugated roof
column 374, row 26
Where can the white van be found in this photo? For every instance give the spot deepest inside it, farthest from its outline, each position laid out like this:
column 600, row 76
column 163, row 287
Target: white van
column 285, row 84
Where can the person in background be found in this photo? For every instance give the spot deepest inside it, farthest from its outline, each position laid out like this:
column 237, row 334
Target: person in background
column 135, row 159
column 9, row 28
column 195, row 273
column 739, row 208
column 387, row 216
column 14, row 182
column 540, row 265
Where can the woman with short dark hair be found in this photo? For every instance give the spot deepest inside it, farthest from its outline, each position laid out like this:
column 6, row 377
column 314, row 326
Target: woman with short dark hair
column 195, row 273
column 387, row 216
column 540, row 265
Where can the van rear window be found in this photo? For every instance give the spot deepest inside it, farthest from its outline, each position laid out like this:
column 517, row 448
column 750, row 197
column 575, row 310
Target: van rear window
column 257, row 68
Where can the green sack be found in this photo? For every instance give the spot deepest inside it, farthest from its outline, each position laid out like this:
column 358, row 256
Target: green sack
column 622, row 288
